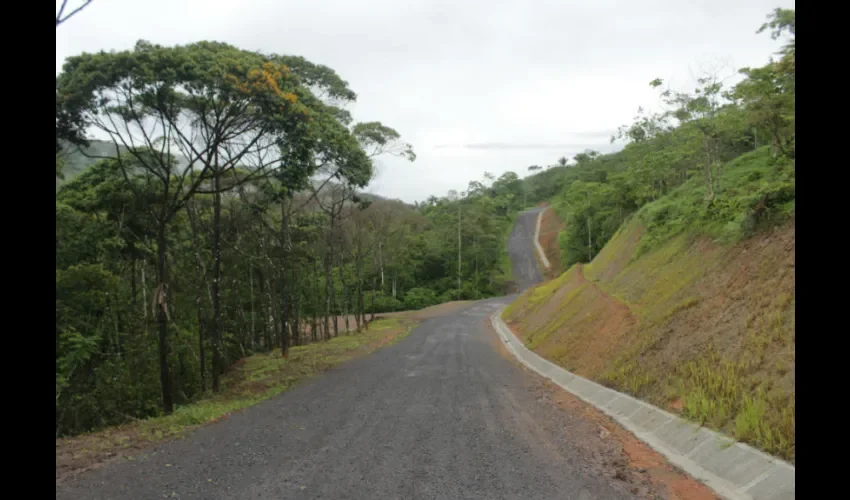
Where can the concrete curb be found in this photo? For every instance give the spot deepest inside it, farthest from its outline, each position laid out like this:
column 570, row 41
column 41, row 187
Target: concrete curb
column 537, row 239
column 733, row 470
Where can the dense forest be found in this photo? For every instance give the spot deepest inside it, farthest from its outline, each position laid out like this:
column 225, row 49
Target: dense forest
column 688, row 141
column 224, row 217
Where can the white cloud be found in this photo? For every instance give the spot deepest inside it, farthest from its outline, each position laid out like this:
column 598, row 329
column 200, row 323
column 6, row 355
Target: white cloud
column 511, row 72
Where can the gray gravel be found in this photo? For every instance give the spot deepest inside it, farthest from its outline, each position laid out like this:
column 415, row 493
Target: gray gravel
column 440, row 415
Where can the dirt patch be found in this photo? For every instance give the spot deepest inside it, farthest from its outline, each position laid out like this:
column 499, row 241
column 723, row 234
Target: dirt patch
column 637, row 463
column 676, row 405
column 82, row 453
column 550, row 227
column 578, row 327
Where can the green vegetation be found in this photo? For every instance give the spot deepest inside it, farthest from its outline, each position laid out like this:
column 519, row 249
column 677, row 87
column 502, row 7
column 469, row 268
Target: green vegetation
column 758, row 190
column 252, row 380
column 688, row 236
column 732, row 150
column 176, row 257
column 184, row 264
column 701, row 328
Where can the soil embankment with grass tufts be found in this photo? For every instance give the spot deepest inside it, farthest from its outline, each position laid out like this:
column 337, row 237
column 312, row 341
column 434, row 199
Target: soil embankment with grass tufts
column 688, row 307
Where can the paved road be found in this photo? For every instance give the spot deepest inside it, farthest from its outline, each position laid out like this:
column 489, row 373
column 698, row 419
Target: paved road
column 521, row 250
column 443, row 414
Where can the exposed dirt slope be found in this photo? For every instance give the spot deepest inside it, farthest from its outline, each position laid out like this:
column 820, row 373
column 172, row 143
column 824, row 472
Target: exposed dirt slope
column 699, row 328
column 550, row 226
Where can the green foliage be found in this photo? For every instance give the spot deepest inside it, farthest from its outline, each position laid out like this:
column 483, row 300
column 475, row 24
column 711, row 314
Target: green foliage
column 136, row 229
column 419, row 298
column 384, row 304
column 151, row 265
column 758, row 191
column 702, row 165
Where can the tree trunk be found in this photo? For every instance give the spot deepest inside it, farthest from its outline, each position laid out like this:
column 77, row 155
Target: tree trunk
column 709, row 179
column 161, row 301
column 475, row 254
column 275, row 305
column 329, row 275
column 381, row 263
column 134, row 293
column 200, row 274
column 295, row 307
column 284, row 227
column 216, row 281
column 372, row 316
column 144, row 295
column 343, row 293
column 201, row 352
column 261, row 282
column 358, row 306
column 254, row 339
column 332, row 293
column 361, row 315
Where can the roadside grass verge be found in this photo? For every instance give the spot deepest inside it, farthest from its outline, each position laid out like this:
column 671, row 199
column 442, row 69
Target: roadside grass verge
column 250, row 381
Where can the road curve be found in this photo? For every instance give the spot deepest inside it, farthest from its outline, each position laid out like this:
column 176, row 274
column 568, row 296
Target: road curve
column 526, row 271
column 443, row 414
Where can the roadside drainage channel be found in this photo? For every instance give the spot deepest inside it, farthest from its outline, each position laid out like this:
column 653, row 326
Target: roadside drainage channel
column 734, row 470
column 537, row 239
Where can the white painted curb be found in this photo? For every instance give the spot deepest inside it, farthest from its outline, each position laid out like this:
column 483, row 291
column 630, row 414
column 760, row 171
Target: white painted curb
column 537, row 239
column 733, row 470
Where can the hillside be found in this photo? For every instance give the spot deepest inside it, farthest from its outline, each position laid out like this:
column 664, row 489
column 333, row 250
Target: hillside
column 688, row 308
column 79, row 159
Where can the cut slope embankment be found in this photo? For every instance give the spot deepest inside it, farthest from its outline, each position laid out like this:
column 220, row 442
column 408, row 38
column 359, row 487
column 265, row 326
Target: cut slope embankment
column 550, row 227
column 703, row 329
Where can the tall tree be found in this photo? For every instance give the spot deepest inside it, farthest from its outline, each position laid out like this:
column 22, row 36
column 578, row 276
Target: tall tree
column 217, row 105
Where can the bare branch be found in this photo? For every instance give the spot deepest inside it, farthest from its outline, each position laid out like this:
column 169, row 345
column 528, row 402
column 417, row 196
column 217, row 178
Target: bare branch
column 60, row 19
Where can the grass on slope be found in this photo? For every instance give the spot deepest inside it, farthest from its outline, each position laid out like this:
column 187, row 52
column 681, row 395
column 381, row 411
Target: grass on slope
column 754, row 191
column 688, row 307
column 250, row 381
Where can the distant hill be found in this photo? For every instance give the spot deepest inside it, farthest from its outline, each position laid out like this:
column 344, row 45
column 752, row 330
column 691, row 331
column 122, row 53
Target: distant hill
column 77, row 159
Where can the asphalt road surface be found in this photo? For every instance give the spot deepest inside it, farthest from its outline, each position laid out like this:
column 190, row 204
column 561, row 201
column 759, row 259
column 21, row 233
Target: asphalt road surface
column 526, row 271
column 443, row 414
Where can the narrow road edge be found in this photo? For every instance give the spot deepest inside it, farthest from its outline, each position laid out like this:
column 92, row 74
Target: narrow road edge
column 733, row 470
column 537, row 239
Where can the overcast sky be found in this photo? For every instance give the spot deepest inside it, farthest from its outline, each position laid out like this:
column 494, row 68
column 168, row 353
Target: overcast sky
column 476, row 86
